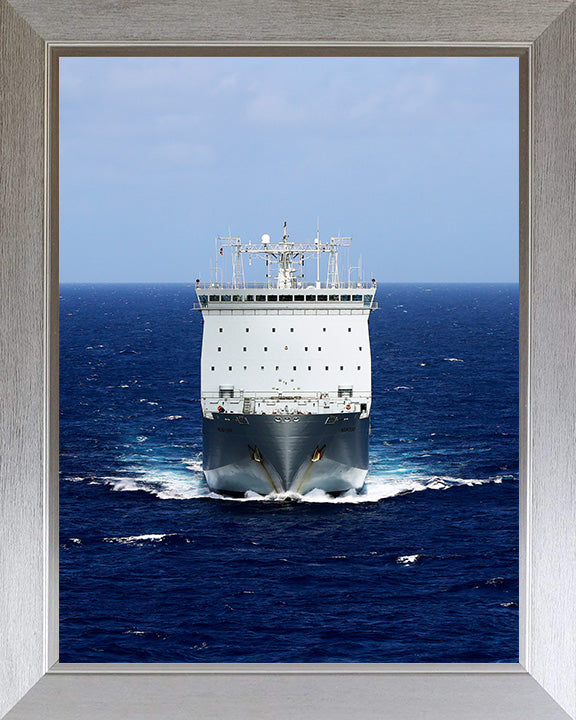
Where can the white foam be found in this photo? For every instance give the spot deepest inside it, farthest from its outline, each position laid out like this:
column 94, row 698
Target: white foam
column 407, row 559
column 130, row 539
column 172, row 417
column 453, row 360
column 190, row 485
column 184, row 480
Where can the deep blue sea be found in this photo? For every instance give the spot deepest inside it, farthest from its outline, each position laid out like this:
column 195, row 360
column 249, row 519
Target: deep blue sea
column 421, row 567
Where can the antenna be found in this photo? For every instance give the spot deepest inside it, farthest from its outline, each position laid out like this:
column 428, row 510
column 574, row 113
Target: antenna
column 317, row 244
column 285, row 236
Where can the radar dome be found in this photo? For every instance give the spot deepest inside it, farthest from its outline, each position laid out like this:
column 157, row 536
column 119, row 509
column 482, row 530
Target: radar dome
column 265, row 238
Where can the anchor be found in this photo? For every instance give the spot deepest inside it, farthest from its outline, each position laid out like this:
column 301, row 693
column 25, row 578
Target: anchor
column 257, row 456
column 317, row 454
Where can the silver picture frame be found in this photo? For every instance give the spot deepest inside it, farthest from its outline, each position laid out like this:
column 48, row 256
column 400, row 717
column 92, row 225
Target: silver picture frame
column 32, row 684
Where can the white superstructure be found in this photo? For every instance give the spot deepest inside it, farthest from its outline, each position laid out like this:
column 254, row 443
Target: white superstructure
column 286, row 344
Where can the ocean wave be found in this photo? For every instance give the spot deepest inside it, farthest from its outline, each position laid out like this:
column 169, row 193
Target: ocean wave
column 165, row 538
column 185, row 481
column 377, row 488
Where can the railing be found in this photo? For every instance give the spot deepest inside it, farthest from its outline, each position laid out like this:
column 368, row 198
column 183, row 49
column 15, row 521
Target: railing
column 254, row 403
column 310, row 286
column 239, row 396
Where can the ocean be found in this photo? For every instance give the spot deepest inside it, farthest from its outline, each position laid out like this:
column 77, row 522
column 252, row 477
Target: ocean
column 422, row 566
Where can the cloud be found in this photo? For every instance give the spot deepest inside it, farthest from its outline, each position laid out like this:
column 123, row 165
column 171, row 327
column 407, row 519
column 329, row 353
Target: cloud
column 176, row 122
column 182, row 153
column 414, row 93
column 226, row 83
column 272, row 107
column 366, row 108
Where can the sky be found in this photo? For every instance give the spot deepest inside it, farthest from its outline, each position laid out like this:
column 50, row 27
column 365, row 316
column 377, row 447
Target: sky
column 415, row 158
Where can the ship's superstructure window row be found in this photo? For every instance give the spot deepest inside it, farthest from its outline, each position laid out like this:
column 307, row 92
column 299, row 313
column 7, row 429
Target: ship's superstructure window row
column 277, row 367
column 206, row 300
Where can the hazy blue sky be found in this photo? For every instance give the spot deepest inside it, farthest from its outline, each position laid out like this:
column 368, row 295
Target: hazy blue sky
column 416, row 158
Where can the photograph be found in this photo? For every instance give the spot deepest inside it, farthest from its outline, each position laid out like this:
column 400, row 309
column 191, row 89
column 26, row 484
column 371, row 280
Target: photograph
column 289, row 363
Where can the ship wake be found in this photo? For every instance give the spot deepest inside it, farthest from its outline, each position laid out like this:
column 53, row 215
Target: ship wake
column 185, row 481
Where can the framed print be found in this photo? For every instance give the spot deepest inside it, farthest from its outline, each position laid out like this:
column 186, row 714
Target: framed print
column 543, row 684
column 262, row 534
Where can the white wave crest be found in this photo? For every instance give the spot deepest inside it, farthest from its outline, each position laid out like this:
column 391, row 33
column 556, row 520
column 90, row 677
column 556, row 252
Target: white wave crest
column 377, row 488
column 184, row 480
column 131, row 539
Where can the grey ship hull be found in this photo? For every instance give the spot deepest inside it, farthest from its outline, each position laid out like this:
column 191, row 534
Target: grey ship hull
column 271, row 453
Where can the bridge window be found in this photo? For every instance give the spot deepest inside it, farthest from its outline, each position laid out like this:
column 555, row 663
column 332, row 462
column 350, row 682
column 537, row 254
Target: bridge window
column 214, row 298
column 367, row 300
column 272, row 298
column 346, row 298
column 249, row 298
column 357, row 298
column 322, row 298
column 311, row 298
column 226, row 298
column 238, row 298
column 260, row 298
column 299, row 298
column 334, row 297
column 285, row 298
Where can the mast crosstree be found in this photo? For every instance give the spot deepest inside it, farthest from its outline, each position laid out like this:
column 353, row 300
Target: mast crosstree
column 288, row 257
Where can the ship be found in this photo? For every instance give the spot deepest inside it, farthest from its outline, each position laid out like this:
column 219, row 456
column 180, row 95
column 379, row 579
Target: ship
column 285, row 370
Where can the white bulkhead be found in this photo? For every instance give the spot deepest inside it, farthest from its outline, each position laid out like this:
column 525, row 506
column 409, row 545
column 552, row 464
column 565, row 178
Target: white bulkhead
column 286, row 345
